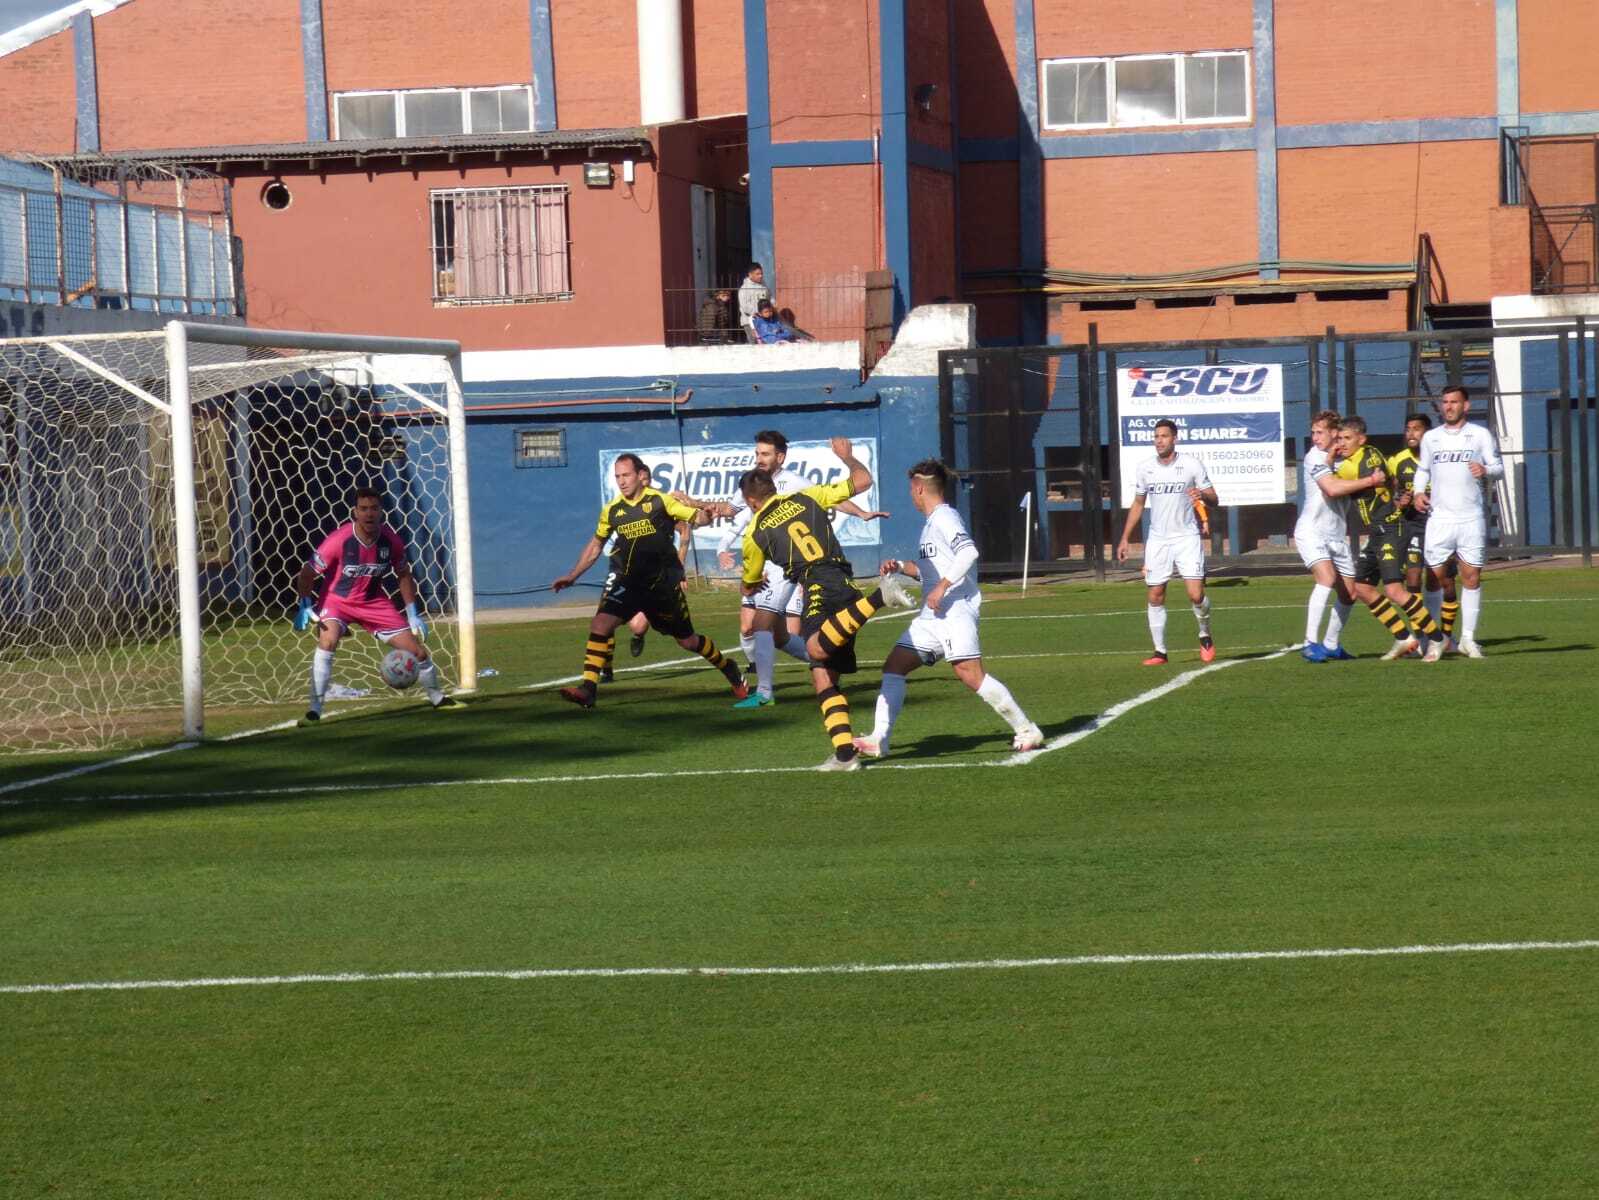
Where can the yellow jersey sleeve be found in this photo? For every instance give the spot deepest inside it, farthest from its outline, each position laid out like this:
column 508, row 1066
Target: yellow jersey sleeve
column 603, row 529
column 829, row 495
column 754, row 557
column 676, row 508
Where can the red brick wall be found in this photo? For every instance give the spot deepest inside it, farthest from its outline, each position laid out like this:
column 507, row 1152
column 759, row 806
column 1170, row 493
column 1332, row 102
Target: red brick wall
column 932, row 236
column 596, row 63
column 989, row 239
column 221, row 73
column 827, row 221
column 714, row 58
column 352, row 253
column 1150, row 213
column 38, row 97
column 1556, row 39
column 370, row 44
column 1085, row 28
column 985, row 60
column 1375, row 60
column 1510, row 265
column 1368, row 203
column 1308, row 314
column 927, row 60
column 824, row 79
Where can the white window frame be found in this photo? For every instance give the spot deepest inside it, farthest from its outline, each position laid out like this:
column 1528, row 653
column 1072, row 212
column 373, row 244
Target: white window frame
column 1178, row 59
column 465, row 94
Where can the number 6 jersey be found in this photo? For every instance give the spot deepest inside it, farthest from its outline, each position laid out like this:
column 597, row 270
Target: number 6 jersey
column 795, row 532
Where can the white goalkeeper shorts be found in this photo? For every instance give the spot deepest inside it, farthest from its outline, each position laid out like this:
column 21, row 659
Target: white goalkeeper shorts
column 951, row 636
column 1317, row 548
column 1468, row 539
column 1165, row 557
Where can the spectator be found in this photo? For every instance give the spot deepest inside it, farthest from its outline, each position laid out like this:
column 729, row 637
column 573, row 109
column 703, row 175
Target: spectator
column 750, row 294
column 716, row 323
column 769, row 327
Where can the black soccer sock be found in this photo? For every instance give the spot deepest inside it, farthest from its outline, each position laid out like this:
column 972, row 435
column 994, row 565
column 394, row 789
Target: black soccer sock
column 1416, row 609
column 835, row 719
column 1389, row 616
column 595, row 659
column 841, row 627
column 1448, row 614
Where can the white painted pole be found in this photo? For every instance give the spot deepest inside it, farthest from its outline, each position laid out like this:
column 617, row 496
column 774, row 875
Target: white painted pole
column 185, row 525
column 660, row 61
column 1027, row 538
column 461, row 514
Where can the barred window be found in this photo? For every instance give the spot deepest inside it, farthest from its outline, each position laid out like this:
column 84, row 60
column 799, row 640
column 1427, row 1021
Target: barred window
column 500, row 245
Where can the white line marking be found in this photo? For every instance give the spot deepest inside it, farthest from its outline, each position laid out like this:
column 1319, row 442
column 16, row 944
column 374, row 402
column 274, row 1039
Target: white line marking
column 1014, row 760
column 914, row 968
column 1232, row 608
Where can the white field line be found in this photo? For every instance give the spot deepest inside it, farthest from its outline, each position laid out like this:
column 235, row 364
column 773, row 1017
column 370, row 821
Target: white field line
column 1232, row 608
column 913, row 968
column 1013, row 760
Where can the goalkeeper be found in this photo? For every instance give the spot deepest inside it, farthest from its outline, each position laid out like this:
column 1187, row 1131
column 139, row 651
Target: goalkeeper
column 352, row 562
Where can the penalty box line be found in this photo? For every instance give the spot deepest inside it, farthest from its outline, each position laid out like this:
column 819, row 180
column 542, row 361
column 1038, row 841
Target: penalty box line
column 1021, row 758
column 912, row 968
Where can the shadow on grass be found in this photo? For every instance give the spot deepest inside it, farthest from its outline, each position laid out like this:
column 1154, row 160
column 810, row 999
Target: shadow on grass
column 941, row 745
column 1532, row 637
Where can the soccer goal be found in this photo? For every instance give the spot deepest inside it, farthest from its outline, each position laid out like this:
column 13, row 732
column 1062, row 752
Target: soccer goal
column 159, row 492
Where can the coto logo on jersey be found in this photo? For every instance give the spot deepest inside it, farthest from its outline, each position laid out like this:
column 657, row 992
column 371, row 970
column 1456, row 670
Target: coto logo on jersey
column 1197, row 381
column 362, row 570
column 1443, row 456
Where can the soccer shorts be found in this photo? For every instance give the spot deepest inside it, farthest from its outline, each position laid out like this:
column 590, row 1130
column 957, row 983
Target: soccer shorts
column 826, row 589
column 1468, row 539
column 780, row 595
column 1383, row 559
column 952, row 636
column 377, row 615
column 1415, row 533
column 1316, row 548
column 660, row 598
column 1165, row 557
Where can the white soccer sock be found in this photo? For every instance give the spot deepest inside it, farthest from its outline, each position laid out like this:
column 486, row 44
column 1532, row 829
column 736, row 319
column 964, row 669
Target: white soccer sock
column 428, row 676
column 1435, row 604
column 765, row 656
column 890, row 699
column 746, row 643
column 997, row 696
column 1335, row 623
column 795, row 648
column 1470, row 609
column 1157, row 627
column 1313, row 611
column 321, row 675
column 1202, row 615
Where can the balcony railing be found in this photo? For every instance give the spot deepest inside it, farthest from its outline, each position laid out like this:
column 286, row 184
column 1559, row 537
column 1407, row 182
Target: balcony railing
column 832, row 309
column 1565, row 248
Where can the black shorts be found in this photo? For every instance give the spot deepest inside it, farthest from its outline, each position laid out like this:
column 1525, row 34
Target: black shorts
column 1383, row 559
column 827, row 589
column 1415, row 535
column 658, row 597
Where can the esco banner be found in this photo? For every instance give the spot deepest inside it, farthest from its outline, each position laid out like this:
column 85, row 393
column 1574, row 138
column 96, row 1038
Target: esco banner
column 1228, row 417
column 712, row 473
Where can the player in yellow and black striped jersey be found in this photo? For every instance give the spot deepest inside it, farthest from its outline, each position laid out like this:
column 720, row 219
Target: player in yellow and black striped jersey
column 1382, row 560
column 1442, row 602
column 645, row 574
column 795, row 532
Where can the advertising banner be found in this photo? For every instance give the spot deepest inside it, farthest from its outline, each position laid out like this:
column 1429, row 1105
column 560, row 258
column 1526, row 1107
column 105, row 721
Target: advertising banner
column 1229, row 417
column 712, row 473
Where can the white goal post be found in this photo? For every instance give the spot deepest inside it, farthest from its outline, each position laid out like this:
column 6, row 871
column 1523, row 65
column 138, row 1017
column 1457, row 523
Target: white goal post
column 159, row 492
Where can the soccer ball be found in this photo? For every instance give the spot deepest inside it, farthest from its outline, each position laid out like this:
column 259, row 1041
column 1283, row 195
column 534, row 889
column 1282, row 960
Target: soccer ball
column 399, row 669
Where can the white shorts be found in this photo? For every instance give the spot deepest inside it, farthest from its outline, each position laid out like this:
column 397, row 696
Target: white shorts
column 1317, row 548
column 1468, row 539
column 1165, row 557
column 780, row 595
column 952, row 636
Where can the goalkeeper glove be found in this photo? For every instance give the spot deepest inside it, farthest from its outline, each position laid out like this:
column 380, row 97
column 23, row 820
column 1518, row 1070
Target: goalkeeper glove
column 304, row 614
column 416, row 620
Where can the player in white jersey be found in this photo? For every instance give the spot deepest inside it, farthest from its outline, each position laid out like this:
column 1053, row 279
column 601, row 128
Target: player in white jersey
column 946, row 627
column 1169, row 485
column 1321, row 535
column 770, row 619
column 1457, row 461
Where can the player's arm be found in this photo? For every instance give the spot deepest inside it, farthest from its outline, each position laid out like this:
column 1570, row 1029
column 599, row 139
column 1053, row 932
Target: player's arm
column 902, row 566
column 859, row 477
column 855, row 510
column 754, row 577
column 734, row 535
column 585, row 560
column 305, row 583
column 963, row 559
column 688, row 513
column 1421, row 482
column 1491, row 466
column 406, row 583
column 1333, row 487
column 1133, row 515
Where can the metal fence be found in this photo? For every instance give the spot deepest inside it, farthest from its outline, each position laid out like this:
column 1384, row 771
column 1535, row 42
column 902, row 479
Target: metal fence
column 1043, row 421
column 826, row 309
column 71, row 244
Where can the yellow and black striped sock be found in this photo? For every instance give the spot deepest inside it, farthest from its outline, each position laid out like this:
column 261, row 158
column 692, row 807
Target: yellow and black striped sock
column 708, row 651
column 835, row 719
column 1420, row 618
column 1388, row 615
column 595, row 656
column 1448, row 613
column 841, row 626
column 610, row 651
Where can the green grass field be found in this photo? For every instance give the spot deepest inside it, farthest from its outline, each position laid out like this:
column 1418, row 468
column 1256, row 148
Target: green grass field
column 1268, row 806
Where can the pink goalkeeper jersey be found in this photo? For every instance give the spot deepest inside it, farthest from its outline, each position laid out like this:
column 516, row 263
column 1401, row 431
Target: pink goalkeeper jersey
column 354, row 571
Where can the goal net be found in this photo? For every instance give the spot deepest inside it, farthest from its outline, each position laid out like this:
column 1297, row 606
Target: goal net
column 160, row 491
